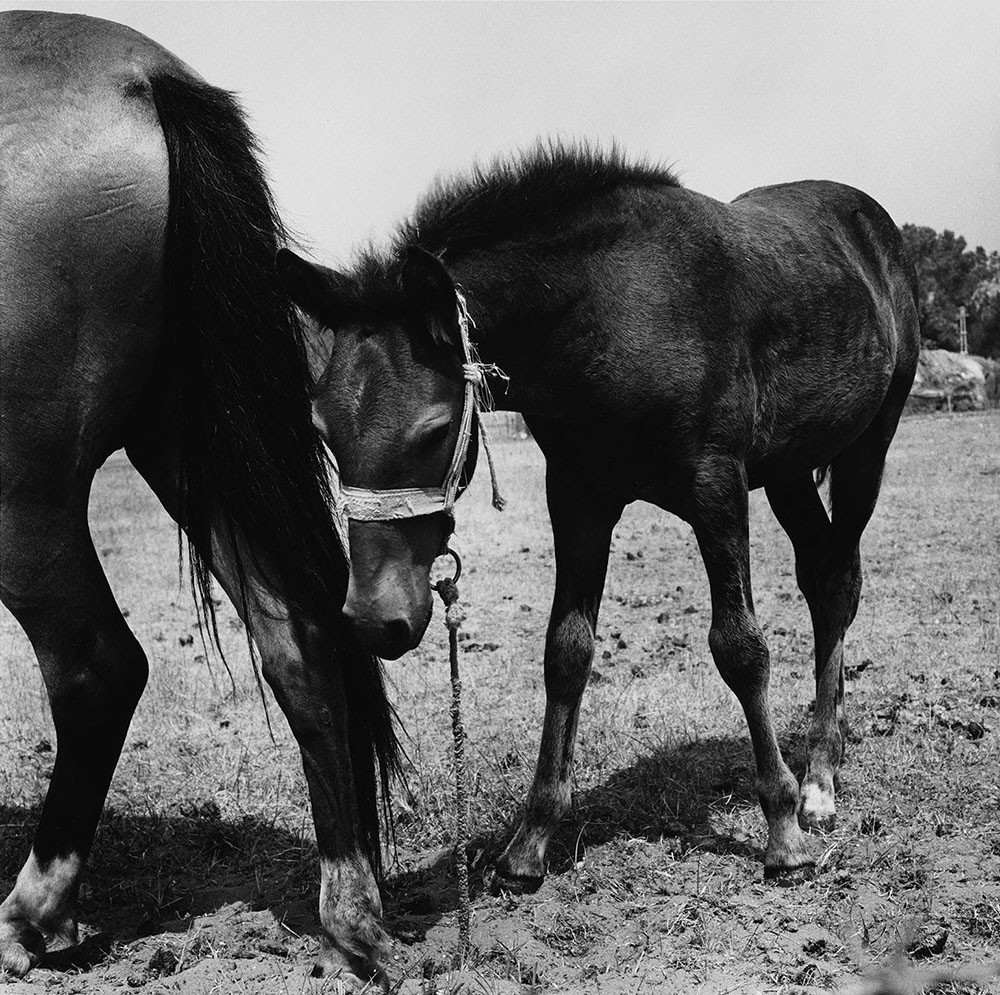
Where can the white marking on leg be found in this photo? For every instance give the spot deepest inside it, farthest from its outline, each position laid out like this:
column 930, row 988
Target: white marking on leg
column 42, row 895
column 817, row 803
column 350, row 908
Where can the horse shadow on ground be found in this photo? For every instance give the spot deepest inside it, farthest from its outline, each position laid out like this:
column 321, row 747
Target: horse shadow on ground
column 669, row 793
column 150, row 874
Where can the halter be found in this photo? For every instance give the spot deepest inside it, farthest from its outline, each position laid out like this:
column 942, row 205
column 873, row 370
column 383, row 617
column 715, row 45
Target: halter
column 365, row 505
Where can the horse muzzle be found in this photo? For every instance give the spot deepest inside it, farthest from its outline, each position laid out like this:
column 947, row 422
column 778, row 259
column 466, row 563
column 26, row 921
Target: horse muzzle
column 388, row 618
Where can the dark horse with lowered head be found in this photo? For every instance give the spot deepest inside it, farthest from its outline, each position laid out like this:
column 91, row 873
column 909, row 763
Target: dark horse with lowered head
column 140, row 308
column 663, row 347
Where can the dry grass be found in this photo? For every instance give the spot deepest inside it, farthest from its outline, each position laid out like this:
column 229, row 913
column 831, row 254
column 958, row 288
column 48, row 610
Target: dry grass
column 655, row 880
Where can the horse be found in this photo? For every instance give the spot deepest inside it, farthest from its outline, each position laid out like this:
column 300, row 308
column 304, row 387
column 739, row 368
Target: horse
column 662, row 346
column 140, row 309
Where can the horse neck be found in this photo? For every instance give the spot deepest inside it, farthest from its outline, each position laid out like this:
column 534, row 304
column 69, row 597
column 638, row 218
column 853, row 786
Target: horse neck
column 515, row 321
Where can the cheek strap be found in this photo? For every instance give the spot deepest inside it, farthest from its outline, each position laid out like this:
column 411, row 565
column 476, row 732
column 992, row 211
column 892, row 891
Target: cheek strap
column 365, row 505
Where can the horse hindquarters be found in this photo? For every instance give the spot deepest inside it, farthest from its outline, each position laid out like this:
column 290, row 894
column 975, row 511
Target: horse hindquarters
column 80, row 306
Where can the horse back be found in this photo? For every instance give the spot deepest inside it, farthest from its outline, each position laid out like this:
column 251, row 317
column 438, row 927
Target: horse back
column 84, row 181
column 839, row 219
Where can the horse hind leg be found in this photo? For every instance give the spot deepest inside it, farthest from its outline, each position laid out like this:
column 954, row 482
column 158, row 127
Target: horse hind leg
column 828, row 568
column 94, row 671
column 721, row 525
column 799, row 509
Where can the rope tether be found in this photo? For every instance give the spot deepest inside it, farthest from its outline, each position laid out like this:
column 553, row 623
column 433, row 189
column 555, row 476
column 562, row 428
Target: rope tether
column 454, row 616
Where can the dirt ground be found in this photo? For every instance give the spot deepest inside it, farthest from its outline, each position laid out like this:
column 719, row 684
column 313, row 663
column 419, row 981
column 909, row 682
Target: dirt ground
column 203, row 878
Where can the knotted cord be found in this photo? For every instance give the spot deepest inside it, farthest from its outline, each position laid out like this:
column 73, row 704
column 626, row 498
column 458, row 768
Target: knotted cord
column 454, row 616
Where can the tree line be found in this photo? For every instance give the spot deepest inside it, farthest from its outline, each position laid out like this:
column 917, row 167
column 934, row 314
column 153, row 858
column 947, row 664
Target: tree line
column 951, row 275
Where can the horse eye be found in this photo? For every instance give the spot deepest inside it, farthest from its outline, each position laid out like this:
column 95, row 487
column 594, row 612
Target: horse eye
column 435, row 436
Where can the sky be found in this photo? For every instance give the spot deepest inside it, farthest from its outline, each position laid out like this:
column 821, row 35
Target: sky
column 361, row 106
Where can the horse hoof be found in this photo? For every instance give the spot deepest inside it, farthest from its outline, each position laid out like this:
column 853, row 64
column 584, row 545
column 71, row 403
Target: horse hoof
column 345, row 983
column 498, row 883
column 21, row 948
column 332, row 966
column 813, row 822
column 787, row 877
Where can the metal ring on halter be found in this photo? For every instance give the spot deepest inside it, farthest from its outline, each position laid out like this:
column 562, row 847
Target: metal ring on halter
column 458, row 563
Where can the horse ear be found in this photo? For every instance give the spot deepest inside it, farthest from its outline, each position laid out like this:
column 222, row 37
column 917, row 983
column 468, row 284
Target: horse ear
column 320, row 292
column 430, row 293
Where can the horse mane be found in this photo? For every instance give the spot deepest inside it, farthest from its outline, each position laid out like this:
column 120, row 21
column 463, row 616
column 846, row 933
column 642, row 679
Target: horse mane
column 248, row 451
column 512, row 195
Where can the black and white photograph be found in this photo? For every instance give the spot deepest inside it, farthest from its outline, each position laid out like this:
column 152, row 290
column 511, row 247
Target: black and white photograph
column 500, row 497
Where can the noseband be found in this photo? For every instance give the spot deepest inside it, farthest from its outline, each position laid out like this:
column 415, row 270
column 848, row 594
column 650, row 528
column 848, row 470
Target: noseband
column 364, row 505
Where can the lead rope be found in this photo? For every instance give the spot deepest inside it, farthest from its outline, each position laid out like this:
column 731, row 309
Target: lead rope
column 454, row 616
column 475, row 373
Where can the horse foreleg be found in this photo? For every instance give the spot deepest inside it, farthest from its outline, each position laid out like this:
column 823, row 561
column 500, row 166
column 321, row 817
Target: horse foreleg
column 302, row 669
column 94, row 672
column 301, row 665
column 740, row 652
column 581, row 526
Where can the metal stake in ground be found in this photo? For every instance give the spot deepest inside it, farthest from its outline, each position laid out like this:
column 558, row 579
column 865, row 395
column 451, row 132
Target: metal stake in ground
column 454, row 616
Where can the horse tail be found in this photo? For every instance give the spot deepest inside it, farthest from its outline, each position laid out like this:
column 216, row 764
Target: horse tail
column 247, row 446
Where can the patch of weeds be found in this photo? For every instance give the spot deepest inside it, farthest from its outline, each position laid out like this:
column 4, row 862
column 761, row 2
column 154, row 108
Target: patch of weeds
column 801, row 972
column 904, row 870
column 510, row 966
column 871, row 825
column 570, row 934
column 698, row 920
column 163, row 961
column 929, row 942
column 983, row 920
column 887, row 716
column 956, row 988
column 909, row 877
column 852, row 673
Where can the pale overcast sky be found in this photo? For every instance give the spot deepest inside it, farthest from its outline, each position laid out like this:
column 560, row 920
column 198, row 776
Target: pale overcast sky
column 361, row 105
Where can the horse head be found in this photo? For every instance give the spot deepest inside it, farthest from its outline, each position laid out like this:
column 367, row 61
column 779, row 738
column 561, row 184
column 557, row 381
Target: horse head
column 397, row 414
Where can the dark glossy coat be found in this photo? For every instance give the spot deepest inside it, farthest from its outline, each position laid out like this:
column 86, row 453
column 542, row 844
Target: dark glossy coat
column 662, row 346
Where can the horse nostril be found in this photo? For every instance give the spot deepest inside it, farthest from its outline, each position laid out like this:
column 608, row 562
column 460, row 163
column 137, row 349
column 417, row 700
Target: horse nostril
column 398, row 635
